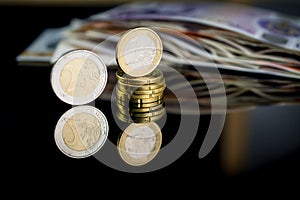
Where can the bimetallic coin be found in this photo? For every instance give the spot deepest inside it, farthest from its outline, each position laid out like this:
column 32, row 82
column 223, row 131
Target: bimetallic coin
column 140, row 143
column 81, row 131
column 154, row 77
column 79, row 77
column 139, row 51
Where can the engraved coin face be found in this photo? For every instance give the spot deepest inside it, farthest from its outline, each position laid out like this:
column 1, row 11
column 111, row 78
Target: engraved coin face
column 81, row 131
column 140, row 143
column 139, row 51
column 79, row 77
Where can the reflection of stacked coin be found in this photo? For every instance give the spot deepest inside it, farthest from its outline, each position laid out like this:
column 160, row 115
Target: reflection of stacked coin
column 140, row 99
column 140, row 143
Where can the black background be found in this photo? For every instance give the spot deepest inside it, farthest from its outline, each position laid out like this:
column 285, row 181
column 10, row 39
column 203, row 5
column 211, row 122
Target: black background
column 30, row 111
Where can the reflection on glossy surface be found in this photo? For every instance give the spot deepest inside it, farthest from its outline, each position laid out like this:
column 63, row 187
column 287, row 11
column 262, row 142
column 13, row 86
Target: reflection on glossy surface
column 140, row 143
column 256, row 138
column 140, row 99
column 81, row 131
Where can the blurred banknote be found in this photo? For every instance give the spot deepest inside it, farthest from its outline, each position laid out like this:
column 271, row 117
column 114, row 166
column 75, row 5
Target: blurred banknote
column 229, row 36
column 41, row 50
column 234, row 38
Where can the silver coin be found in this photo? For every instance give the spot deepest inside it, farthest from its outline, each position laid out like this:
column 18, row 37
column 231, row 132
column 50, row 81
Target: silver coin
column 79, row 77
column 81, row 131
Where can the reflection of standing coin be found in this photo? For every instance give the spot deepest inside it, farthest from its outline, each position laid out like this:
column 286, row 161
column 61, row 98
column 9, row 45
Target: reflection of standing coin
column 79, row 77
column 140, row 143
column 139, row 51
column 81, row 131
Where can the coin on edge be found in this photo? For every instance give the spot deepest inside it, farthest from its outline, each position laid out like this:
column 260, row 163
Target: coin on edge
column 140, row 143
column 81, row 131
column 79, row 77
column 139, row 51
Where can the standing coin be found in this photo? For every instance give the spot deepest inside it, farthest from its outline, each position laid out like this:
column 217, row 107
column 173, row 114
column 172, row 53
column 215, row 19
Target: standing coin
column 79, row 77
column 81, row 131
column 139, row 51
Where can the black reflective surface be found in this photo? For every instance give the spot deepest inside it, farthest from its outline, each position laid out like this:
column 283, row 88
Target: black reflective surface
column 259, row 144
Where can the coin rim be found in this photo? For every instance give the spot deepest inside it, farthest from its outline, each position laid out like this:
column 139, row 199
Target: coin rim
column 150, row 78
column 59, row 66
column 132, row 95
column 121, row 46
column 126, row 118
column 104, row 129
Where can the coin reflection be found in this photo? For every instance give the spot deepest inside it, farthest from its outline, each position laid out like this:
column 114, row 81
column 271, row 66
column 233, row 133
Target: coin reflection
column 81, row 131
column 139, row 143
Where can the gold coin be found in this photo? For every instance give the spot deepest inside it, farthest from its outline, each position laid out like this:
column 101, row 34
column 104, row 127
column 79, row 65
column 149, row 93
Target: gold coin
column 138, row 91
column 148, row 113
column 149, row 109
column 140, row 143
column 126, row 118
column 129, row 87
column 153, row 77
column 137, row 96
column 155, row 91
column 139, row 100
column 140, row 105
column 139, row 51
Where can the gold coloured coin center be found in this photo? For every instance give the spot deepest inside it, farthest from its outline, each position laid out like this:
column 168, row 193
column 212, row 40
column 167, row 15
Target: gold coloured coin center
column 79, row 77
column 81, row 131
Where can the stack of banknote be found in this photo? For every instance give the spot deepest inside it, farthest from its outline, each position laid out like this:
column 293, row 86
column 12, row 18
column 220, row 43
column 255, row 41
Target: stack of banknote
column 257, row 51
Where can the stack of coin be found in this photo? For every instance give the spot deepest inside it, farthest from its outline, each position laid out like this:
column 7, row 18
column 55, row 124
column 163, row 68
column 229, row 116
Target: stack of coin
column 140, row 99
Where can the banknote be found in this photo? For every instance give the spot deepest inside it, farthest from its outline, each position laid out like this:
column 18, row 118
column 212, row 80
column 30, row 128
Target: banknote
column 41, row 50
column 257, row 68
column 262, row 24
column 203, row 47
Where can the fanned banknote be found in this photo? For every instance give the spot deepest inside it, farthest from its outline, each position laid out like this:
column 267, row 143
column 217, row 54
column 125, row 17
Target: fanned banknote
column 257, row 51
column 261, row 24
